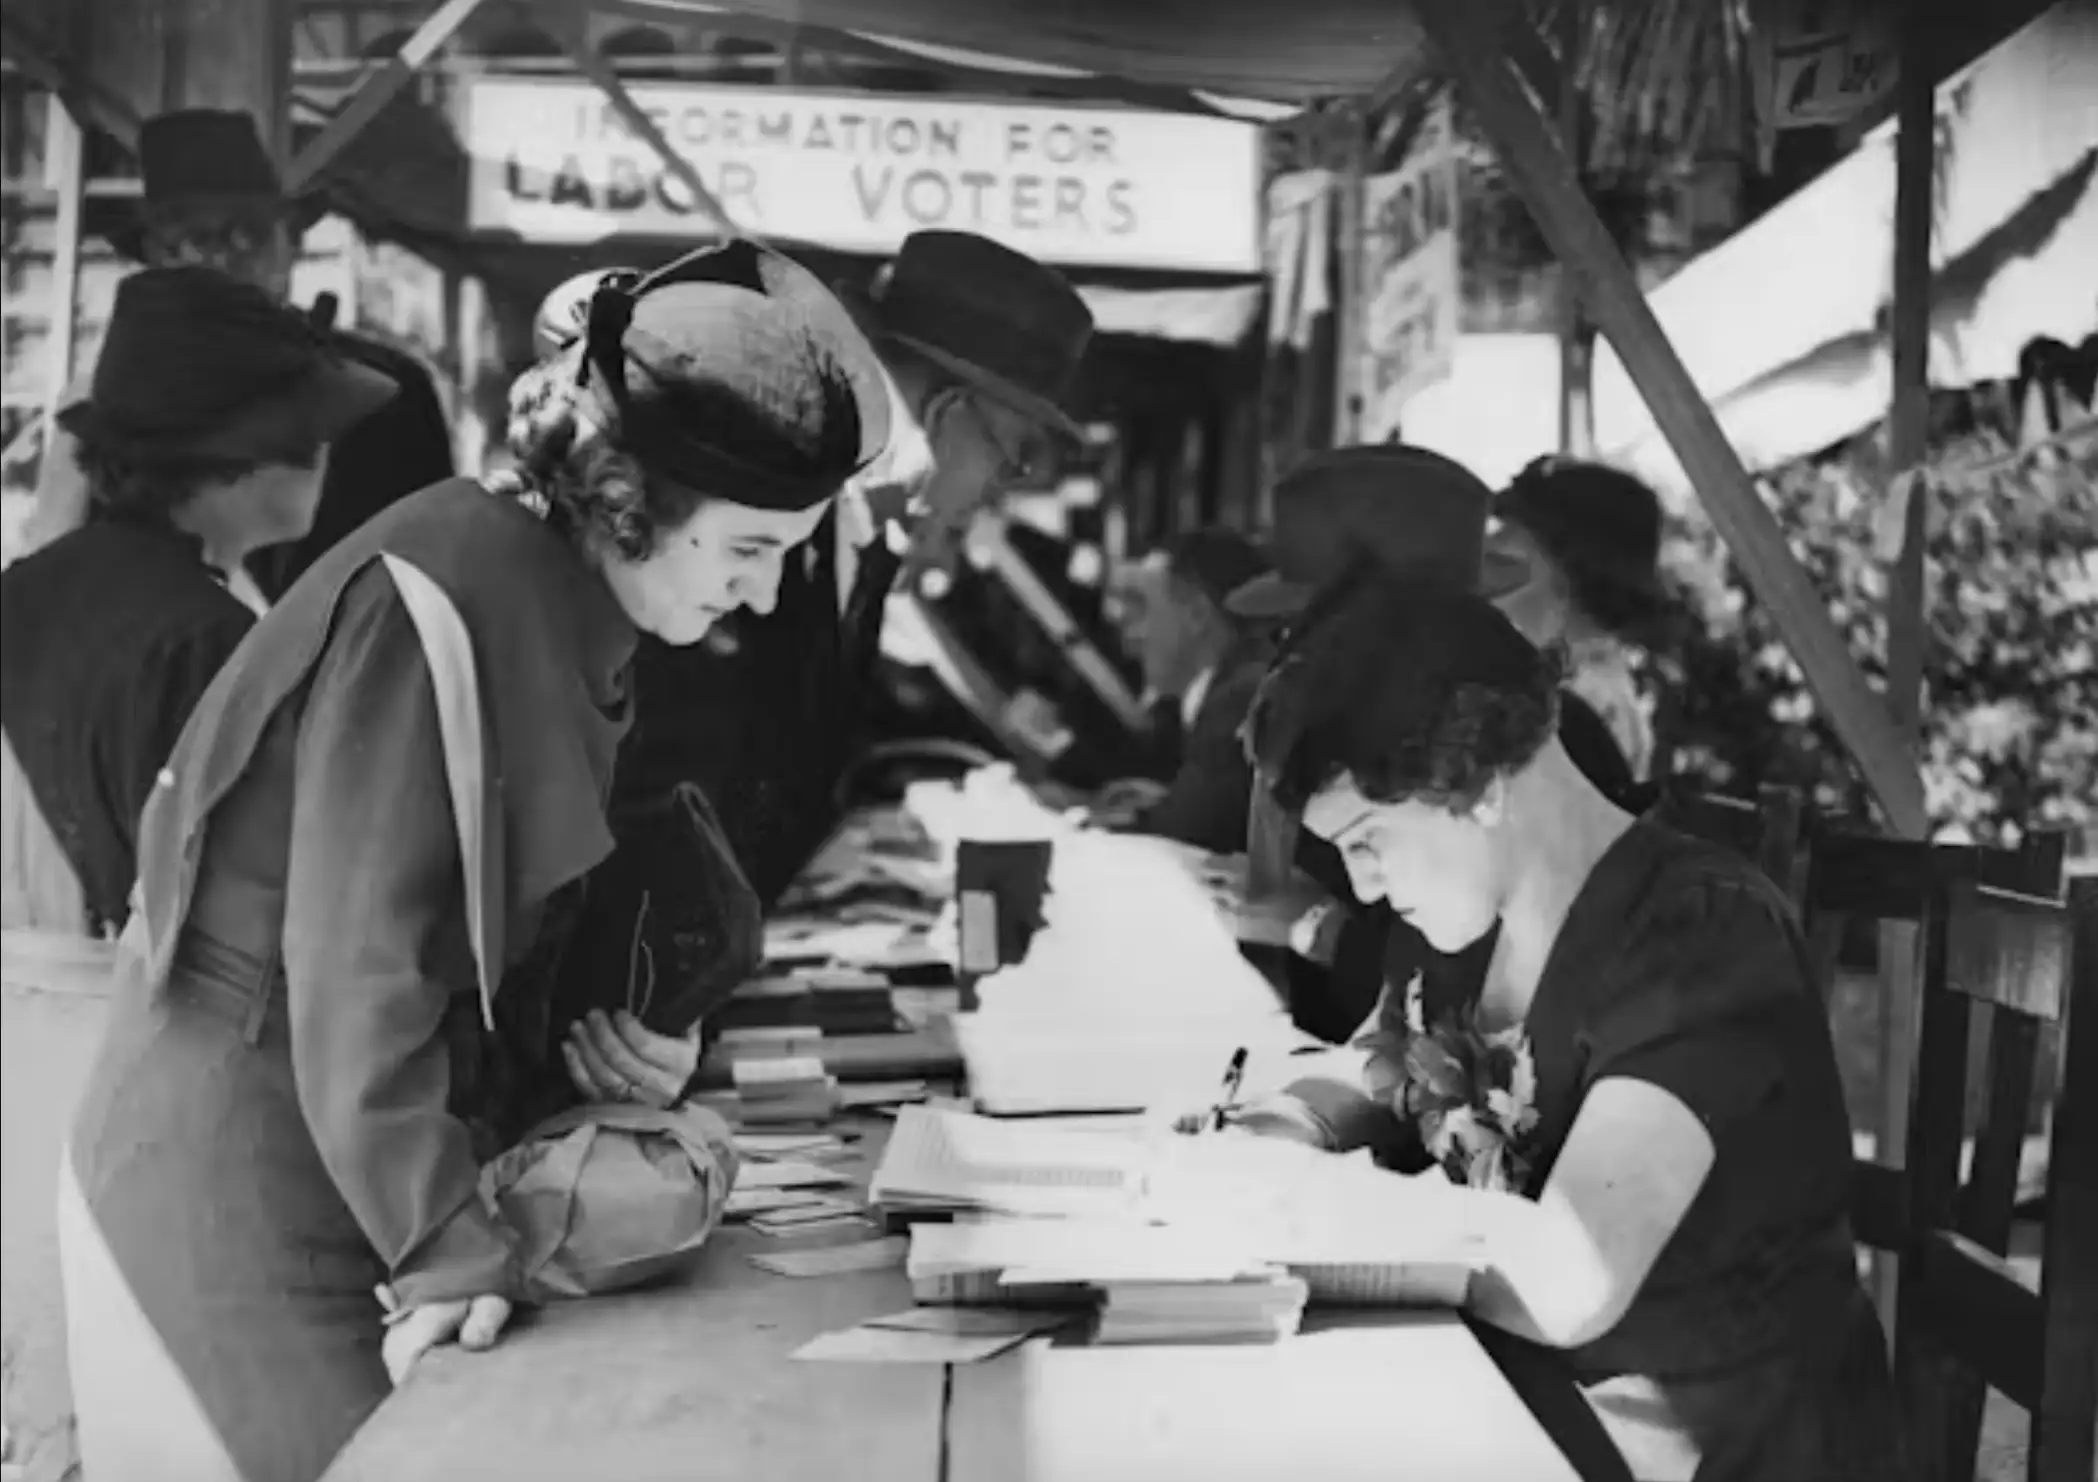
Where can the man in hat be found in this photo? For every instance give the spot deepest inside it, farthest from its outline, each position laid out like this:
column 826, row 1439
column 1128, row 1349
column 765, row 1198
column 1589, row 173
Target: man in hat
column 212, row 197
column 1408, row 512
column 1207, row 664
column 982, row 346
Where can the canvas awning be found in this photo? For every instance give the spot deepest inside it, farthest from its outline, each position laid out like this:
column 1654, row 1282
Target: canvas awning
column 1245, row 49
column 1784, row 325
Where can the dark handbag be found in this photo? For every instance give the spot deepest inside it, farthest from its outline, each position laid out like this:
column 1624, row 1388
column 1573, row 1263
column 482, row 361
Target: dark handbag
column 668, row 925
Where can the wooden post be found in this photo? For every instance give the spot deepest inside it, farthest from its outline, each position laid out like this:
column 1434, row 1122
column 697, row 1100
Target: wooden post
column 1569, row 222
column 1348, row 298
column 1908, row 627
column 1576, row 344
column 65, row 168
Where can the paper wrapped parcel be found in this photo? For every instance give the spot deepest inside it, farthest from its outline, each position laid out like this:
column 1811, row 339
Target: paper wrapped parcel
column 607, row 1197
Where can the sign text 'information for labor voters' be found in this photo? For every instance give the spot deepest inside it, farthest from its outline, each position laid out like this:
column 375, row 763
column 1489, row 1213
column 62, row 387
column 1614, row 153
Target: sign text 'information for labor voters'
column 1104, row 187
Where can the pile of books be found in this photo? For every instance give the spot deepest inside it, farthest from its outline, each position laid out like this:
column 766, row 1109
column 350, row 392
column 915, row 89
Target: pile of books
column 1259, row 1307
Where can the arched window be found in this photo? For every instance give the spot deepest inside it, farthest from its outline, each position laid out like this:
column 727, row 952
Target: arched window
column 640, row 51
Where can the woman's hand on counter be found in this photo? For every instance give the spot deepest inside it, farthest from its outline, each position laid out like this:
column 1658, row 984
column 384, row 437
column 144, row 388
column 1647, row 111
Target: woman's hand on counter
column 615, row 1057
column 474, row 1323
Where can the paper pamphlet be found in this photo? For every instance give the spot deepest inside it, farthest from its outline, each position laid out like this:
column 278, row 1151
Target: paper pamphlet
column 955, row 1160
column 971, row 1322
column 868, row 1344
column 835, row 1260
column 788, row 1173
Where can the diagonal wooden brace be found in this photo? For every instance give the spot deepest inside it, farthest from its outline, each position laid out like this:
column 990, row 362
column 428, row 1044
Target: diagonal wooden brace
column 1494, row 87
column 377, row 91
column 565, row 19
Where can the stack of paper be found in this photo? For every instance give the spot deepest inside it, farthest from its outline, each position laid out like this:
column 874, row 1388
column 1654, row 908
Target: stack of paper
column 939, row 1161
column 1132, row 995
column 1259, row 1308
column 771, row 1090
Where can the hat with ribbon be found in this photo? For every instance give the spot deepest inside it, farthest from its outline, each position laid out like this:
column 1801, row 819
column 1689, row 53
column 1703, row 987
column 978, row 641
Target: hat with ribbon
column 736, row 372
column 205, row 161
column 1214, row 562
column 199, row 365
column 1602, row 528
column 1401, row 509
column 995, row 318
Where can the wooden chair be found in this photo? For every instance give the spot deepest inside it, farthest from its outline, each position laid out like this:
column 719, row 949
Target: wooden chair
column 1857, row 876
column 1965, row 1321
column 1769, row 830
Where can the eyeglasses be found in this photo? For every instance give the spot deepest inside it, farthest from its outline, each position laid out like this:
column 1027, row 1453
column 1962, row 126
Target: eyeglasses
column 1019, row 451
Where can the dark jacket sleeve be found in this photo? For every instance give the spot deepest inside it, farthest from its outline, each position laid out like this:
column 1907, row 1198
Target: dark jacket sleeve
column 1206, row 802
column 375, row 950
column 172, row 676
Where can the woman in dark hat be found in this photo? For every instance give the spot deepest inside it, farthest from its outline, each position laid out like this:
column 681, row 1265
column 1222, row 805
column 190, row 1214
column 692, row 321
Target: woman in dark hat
column 205, row 438
column 377, row 814
column 1640, row 1097
column 1592, row 537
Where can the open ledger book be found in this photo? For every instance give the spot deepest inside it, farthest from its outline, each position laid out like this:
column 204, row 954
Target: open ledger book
column 1045, row 1214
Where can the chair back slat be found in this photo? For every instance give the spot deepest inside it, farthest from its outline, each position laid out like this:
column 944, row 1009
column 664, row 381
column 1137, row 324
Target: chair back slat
column 2008, row 949
column 1962, row 1288
column 2013, row 961
column 2065, row 1423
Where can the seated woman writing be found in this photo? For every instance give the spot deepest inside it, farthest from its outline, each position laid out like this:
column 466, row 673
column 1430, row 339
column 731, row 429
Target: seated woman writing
column 371, row 820
column 1642, row 1097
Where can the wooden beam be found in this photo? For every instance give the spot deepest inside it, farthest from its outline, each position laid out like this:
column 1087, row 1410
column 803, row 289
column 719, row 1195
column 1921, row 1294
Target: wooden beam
column 565, row 19
column 1576, row 344
column 377, row 91
column 1569, row 222
column 1908, row 627
column 65, row 169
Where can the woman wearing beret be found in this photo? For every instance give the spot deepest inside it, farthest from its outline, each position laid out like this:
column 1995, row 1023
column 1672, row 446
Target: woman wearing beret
column 370, row 819
column 1641, row 1099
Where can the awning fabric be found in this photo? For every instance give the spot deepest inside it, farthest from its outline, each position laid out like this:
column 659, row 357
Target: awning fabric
column 1251, row 49
column 1783, row 326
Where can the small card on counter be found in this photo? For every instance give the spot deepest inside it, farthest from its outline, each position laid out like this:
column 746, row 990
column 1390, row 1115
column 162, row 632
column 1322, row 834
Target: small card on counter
column 872, row 1345
column 836, row 1260
column 973, row 1322
column 828, row 1224
column 881, row 1093
column 788, row 1173
column 805, row 1211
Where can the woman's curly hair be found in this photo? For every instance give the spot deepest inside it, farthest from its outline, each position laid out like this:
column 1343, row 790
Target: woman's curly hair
column 572, row 471
column 1413, row 691
column 130, row 484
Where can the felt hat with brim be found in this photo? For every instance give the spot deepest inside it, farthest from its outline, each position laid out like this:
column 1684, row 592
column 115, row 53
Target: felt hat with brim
column 995, row 319
column 1215, row 562
column 205, row 162
column 736, row 372
column 1600, row 526
column 1403, row 510
column 199, row 366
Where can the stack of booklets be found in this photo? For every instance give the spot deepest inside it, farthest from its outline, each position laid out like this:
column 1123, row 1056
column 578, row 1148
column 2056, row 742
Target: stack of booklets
column 787, row 1090
column 1259, row 1307
column 942, row 1162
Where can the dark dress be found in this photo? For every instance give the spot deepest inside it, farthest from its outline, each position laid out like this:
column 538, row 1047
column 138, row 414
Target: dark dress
column 1680, row 965
column 108, row 636
column 297, row 1089
column 766, row 730
column 1211, row 789
column 404, row 446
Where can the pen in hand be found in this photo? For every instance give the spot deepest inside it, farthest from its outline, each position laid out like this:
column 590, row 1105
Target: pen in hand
column 1234, row 1077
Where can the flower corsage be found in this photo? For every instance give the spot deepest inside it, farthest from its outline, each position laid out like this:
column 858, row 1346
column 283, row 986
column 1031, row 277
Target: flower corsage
column 1471, row 1092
